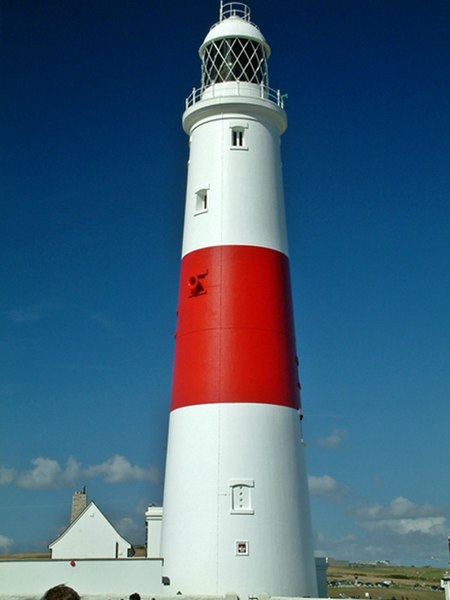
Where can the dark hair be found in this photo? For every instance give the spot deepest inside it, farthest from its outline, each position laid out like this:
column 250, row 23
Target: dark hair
column 61, row 592
column 135, row 596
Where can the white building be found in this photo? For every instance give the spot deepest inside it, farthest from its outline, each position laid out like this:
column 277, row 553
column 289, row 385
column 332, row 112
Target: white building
column 153, row 523
column 445, row 583
column 90, row 535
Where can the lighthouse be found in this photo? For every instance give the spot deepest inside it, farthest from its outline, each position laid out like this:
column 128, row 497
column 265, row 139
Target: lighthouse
column 236, row 503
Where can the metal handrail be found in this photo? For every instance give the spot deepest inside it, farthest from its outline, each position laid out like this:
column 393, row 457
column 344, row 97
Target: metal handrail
column 266, row 93
column 234, row 9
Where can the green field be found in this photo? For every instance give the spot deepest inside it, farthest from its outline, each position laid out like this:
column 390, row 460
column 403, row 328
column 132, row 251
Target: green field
column 406, row 583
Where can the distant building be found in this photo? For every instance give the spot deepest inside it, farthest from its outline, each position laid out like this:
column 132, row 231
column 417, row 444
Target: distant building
column 153, row 523
column 90, row 535
column 445, row 583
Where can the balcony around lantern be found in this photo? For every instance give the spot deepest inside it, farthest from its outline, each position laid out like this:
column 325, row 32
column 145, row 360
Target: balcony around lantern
column 238, row 89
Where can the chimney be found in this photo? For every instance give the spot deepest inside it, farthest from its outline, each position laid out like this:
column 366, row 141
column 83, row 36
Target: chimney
column 79, row 503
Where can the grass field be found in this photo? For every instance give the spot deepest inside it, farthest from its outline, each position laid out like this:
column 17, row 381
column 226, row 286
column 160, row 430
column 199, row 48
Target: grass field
column 407, row 583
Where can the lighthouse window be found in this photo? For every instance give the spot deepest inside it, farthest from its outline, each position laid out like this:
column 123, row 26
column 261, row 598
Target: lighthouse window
column 201, row 202
column 242, row 548
column 237, row 137
column 234, row 59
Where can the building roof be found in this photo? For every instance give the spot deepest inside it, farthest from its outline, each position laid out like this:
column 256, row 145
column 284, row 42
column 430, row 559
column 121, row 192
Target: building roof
column 72, row 525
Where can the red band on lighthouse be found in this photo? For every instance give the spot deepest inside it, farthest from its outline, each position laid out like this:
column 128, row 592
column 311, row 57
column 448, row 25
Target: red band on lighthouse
column 234, row 339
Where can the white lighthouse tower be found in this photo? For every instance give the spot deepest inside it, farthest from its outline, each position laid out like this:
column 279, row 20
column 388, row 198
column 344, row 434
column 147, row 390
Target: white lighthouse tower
column 236, row 504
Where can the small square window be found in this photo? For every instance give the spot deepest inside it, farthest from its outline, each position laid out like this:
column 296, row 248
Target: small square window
column 242, row 548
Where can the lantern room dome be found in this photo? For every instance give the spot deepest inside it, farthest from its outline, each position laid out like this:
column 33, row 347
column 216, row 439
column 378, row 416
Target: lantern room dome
column 234, row 49
column 234, row 27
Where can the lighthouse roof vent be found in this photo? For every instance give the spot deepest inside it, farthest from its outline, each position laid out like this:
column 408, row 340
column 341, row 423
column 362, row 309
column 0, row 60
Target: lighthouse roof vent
column 234, row 49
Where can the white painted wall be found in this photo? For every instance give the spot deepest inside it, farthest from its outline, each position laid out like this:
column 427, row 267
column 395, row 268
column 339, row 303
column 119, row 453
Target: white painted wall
column 31, row 578
column 91, row 535
column 445, row 583
column 259, row 445
column 153, row 517
column 245, row 188
column 321, row 573
column 113, row 577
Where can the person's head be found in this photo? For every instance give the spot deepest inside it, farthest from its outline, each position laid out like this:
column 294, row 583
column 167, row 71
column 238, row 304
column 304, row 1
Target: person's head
column 61, row 592
column 135, row 596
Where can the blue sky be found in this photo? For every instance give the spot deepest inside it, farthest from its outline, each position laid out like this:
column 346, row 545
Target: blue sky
column 93, row 171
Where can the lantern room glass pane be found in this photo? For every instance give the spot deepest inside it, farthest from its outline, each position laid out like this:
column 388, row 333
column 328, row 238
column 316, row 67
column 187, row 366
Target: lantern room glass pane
column 234, row 59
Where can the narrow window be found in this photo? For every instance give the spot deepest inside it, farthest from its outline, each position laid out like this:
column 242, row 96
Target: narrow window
column 201, row 203
column 237, row 137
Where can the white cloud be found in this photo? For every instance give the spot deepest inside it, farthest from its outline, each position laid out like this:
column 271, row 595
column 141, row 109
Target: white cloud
column 399, row 508
column 44, row 474
column 6, row 475
column 48, row 473
column 130, row 529
column 402, row 507
column 326, row 545
column 403, row 517
column 400, row 530
column 325, row 485
column 72, row 471
column 426, row 525
column 6, row 544
column 334, row 440
column 349, row 547
column 118, row 469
